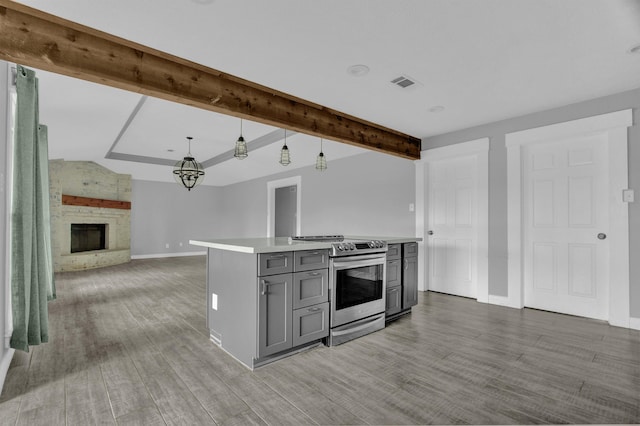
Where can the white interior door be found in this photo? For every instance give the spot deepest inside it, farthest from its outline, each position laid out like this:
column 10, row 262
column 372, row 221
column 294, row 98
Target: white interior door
column 565, row 226
column 452, row 235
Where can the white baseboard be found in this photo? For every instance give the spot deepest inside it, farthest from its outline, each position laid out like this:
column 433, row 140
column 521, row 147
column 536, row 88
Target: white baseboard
column 4, row 366
column 159, row 255
column 502, row 301
column 634, row 323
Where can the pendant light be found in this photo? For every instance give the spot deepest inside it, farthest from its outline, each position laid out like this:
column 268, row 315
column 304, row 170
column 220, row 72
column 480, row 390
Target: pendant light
column 188, row 171
column 321, row 161
column 241, row 146
column 285, row 158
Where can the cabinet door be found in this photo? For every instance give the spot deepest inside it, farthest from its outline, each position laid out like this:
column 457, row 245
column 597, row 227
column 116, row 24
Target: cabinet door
column 394, row 300
column 311, row 323
column 274, row 314
column 410, row 282
column 310, row 288
column 394, row 273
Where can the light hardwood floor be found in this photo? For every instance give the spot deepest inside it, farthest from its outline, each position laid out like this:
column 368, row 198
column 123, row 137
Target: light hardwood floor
column 129, row 346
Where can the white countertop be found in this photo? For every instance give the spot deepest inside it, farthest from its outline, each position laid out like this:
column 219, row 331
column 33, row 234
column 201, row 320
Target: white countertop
column 271, row 245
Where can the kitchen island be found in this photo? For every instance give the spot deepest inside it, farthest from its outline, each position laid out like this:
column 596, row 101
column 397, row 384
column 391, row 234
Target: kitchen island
column 270, row 297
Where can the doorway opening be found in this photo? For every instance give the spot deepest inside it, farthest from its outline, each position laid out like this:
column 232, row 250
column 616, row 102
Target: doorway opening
column 283, row 207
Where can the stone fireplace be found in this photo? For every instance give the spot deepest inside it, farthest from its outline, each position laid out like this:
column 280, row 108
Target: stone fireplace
column 90, row 215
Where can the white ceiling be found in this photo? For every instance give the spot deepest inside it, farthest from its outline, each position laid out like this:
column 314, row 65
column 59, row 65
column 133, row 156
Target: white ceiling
column 482, row 60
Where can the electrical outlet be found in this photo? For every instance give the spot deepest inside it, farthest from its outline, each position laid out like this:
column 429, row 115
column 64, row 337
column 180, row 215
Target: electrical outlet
column 412, row 207
column 628, row 196
column 214, row 301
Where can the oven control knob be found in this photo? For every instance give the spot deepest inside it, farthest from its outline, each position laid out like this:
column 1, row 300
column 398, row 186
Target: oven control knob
column 352, row 246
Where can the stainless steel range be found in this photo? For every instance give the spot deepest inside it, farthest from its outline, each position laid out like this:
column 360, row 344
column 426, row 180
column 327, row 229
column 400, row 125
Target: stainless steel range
column 357, row 286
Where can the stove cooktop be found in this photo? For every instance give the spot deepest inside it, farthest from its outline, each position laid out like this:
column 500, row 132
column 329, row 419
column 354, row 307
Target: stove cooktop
column 342, row 247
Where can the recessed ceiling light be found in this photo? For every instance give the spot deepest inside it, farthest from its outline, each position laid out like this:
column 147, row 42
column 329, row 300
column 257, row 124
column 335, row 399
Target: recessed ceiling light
column 358, row 70
column 170, row 150
column 634, row 49
column 437, row 108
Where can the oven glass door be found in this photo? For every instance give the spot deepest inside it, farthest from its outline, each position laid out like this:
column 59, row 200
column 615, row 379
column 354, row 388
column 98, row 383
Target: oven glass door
column 355, row 286
column 358, row 288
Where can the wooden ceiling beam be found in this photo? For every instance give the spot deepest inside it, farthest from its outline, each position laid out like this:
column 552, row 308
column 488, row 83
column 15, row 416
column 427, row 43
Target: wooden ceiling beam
column 34, row 38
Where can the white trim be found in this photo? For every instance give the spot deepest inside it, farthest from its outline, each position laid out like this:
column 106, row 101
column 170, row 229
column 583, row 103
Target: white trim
column 479, row 148
column 634, row 323
column 501, row 301
column 615, row 126
column 420, row 224
column 8, row 193
column 271, row 196
column 5, row 362
column 595, row 124
column 162, row 255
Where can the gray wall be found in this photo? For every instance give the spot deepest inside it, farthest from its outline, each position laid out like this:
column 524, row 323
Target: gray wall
column 366, row 194
column 498, row 178
column 4, row 353
column 165, row 213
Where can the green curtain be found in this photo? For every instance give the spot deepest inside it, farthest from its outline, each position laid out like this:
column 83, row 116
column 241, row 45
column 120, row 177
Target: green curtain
column 32, row 283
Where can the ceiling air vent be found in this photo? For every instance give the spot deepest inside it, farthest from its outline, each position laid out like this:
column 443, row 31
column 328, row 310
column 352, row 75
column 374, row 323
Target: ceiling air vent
column 404, row 81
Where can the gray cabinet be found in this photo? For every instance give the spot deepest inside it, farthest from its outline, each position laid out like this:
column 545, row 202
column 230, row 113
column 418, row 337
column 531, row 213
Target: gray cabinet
column 307, row 260
column 394, row 251
column 394, row 300
column 293, row 296
column 310, row 323
column 310, row 288
column 394, row 273
column 275, row 263
column 409, row 275
column 402, row 279
column 274, row 314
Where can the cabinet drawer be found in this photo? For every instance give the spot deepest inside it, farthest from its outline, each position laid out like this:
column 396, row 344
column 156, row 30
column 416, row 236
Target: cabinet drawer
column 410, row 250
column 394, row 251
column 394, row 273
column 275, row 263
column 310, row 288
column 311, row 323
column 394, row 301
column 307, row 260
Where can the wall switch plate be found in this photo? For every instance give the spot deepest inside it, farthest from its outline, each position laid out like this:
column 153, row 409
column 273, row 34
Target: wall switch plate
column 214, row 301
column 412, row 207
column 166, row 245
column 628, row 195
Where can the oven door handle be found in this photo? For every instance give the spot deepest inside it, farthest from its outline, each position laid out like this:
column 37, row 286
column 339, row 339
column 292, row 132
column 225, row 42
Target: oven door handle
column 355, row 261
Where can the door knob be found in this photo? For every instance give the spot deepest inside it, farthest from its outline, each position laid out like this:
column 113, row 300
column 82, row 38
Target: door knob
column 430, row 232
column 602, row 236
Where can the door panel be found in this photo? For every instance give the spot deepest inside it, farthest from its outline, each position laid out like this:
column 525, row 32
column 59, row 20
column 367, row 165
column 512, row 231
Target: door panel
column 453, row 219
column 565, row 207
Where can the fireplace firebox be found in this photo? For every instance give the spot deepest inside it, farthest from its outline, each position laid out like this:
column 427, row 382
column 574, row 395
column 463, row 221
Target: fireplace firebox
column 88, row 237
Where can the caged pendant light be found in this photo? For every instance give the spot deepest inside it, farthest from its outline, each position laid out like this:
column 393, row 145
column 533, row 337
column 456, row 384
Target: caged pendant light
column 188, row 171
column 321, row 161
column 241, row 146
column 285, row 158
